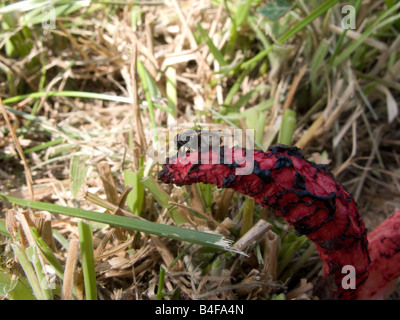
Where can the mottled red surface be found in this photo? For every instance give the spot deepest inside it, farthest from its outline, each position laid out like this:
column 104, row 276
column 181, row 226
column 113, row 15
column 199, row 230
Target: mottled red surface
column 384, row 250
column 305, row 194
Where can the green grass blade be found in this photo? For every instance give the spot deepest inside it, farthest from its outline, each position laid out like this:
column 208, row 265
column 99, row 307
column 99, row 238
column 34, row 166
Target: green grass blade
column 147, row 87
column 287, row 127
column 317, row 63
column 280, row 296
column 159, row 194
column 379, row 23
column 35, row 148
column 161, row 279
column 292, row 31
column 242, row 11
column 87, row 254
column 39, row 15
column 61, row 240
column 28, row 269
column 179, row 256
column 247, row 215
column 206, row 195
column 78, row 171
column 33, row 257
column 213, row 49
column 136, row 196
column 76, row 94
column 170, row 87
column 324, row 7
column 48, row 253
column 290, row 247
column 163, row 199
column 14, row 289
column 3, row 229
column 339, row 43
column 236, row 86
column 299, row 263
column 176, row 233
column 255, row 119
column 218, row 115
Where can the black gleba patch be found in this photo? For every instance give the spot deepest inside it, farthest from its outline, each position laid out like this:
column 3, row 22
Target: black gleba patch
column 283, row 162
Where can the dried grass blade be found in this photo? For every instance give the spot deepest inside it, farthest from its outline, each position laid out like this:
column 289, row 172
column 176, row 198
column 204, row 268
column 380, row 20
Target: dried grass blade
column 69, row 271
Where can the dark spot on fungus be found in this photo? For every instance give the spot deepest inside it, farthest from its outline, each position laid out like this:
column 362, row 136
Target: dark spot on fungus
column 283, row 162
column 299, row 182
column 264, row 175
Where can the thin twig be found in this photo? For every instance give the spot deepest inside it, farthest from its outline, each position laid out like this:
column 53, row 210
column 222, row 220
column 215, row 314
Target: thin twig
column 293, row 88
column 136, row 111
column 259, row 229
column 28, row 175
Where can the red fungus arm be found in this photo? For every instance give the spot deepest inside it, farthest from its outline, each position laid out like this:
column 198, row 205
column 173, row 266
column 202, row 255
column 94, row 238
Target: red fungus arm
column 384, row 250
column 305, row 194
